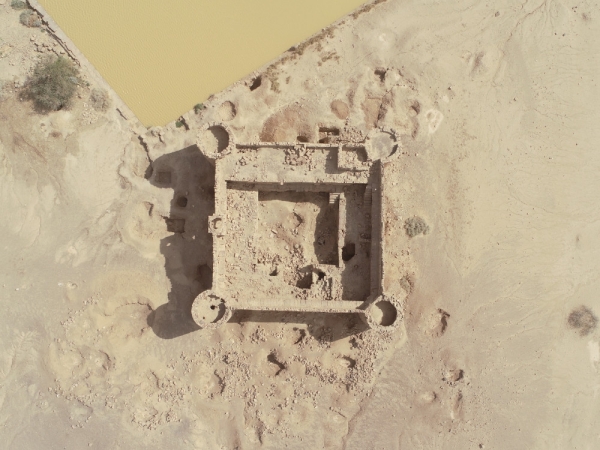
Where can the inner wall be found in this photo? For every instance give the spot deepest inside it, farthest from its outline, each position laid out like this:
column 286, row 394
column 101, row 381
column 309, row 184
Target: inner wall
column 164, row 57
column 289, row 244
column 287, row 220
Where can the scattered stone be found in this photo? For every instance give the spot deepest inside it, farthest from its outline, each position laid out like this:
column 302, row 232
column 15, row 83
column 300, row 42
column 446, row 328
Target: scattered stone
column 18, row 4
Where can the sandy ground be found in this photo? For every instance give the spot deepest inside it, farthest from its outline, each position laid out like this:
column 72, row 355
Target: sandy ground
column 496, row 105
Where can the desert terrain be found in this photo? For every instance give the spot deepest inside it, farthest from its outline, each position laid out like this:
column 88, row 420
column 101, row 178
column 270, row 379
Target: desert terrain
column 495, row 109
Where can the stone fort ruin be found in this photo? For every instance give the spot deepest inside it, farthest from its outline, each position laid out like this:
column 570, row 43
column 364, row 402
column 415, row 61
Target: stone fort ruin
column 297, row 227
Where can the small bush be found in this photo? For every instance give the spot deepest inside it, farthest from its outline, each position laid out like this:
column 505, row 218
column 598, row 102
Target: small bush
column 53, row 84
column 582, row 319
column 415, row 226
column 198, row 107
column 407, row 283
column 30, row 19
column 179, row 124
column 99, row 100
column 18, row 4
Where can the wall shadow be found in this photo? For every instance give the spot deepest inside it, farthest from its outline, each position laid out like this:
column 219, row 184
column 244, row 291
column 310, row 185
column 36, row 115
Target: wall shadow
column 326, row 232
column 188, row 251
column 356, row 253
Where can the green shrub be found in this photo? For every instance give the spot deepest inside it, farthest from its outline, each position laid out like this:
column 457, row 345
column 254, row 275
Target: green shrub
column 198, row 107
column 415, row 226
column 99, row 99
column 18, row 4
column 30, row 19
column 179, row 124
column 53, row 84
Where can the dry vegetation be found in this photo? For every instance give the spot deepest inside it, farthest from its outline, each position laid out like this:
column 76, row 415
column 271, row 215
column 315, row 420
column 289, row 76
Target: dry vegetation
column 30, row 19
column 99, row 99
column 415, row 226
column 583, row 319
column 52, row 85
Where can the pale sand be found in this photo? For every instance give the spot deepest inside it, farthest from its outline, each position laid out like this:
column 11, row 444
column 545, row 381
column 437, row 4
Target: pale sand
column 497, row 108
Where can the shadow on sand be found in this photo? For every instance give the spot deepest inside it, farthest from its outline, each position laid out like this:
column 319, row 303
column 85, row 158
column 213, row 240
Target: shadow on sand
column 188, row 251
